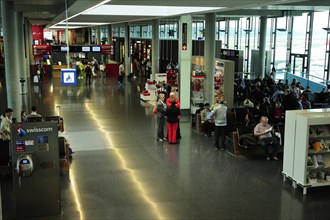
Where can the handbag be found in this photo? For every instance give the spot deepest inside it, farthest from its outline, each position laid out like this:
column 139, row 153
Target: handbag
column 155, row 110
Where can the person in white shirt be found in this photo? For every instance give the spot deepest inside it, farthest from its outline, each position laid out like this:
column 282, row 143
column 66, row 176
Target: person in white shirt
column 263, row 131
column 121, row 73
column 102, row 71
column 6, row 120
column 34, row 113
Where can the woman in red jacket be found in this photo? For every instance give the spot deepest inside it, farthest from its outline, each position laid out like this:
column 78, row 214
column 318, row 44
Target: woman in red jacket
column 172, row 113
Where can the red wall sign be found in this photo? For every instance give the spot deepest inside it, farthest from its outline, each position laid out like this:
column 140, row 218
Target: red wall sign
column 107, row 49
column 41, row 49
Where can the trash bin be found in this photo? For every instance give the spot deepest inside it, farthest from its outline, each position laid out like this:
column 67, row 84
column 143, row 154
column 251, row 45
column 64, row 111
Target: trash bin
column 22, row 81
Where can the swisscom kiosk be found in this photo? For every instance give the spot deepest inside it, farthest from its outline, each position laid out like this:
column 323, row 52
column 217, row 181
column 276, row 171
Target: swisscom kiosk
column 35, row 169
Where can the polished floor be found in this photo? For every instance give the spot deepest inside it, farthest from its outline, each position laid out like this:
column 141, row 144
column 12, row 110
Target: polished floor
column 120, row 171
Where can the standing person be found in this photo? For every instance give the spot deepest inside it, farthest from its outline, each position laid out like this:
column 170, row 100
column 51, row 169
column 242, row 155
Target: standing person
column 172, row 113
column 219, row 114
column 6, row 120
column 121, row 73
column 263, row 132
column 161, row 113
column 88, row 71
column 169, row 100
column 102, row 71
column 148, row 68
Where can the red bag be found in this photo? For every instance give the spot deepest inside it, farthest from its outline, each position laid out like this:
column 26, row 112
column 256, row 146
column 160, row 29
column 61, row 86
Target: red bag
column 155, row 110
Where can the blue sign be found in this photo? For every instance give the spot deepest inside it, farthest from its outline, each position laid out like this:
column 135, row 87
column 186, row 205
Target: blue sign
column 68, row 76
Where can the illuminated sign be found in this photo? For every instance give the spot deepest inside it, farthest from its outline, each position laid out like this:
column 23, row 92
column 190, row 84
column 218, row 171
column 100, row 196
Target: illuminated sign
column 68, row 77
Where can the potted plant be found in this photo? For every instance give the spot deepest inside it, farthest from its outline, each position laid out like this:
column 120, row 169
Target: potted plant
column 104, row 40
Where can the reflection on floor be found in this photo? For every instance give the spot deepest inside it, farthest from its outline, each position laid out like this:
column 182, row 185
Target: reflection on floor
column 120, row 171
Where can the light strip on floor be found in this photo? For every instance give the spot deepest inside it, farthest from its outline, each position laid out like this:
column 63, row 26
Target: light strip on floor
column 120, row 156
column 76, row 196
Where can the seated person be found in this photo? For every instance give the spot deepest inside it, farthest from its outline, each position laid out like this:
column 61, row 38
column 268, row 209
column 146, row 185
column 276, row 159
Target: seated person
column 207, row 120
column 250, row 121
column 62, row 133
column 198, row 111
column 34, row 113
column 265, row 138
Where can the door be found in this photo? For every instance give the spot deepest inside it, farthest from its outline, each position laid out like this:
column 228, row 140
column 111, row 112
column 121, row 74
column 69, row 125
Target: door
column 299, row 66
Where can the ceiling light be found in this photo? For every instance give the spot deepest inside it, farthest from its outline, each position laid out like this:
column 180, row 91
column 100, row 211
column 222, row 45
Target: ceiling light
column 139, row 10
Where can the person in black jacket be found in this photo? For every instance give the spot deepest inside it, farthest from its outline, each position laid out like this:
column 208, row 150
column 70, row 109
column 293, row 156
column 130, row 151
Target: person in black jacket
column 172, row 113
column 290, row 102
column 161, row 111
column 88, row 71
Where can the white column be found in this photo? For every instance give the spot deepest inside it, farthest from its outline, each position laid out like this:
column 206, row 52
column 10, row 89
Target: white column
column 20, row 46
column 127, row 51
column 11, row 57
column 155, row 48
column 209, row 58
column 185, row 53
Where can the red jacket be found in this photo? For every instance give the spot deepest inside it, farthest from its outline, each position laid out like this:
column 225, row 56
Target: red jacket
column 177, row 102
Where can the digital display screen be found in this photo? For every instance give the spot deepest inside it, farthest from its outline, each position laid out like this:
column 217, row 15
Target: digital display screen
column 85, row 49
column 96, row 49
column 25, row 161
column 64, row 49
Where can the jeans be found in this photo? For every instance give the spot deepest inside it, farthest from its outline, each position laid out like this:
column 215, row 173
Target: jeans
column 266, row 142
column 220, row 132
column 160, row 129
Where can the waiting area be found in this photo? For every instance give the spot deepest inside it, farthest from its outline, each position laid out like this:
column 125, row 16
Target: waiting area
column 120, row 171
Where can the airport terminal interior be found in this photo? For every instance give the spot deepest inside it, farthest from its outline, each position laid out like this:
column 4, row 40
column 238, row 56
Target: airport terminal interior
column 119, row 169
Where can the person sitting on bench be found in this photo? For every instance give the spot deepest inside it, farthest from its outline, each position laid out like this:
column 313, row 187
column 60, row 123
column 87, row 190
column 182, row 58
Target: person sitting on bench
column 265, row 138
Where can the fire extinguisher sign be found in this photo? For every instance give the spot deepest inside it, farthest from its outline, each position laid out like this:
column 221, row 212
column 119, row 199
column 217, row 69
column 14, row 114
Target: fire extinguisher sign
column 184, row 36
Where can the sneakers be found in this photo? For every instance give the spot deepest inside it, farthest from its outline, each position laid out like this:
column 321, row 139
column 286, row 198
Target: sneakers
column 275, row 158
column 160, row 140
column 268, row 158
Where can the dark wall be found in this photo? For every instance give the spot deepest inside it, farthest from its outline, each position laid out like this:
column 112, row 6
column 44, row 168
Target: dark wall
column 59, row 56
column 169, row 50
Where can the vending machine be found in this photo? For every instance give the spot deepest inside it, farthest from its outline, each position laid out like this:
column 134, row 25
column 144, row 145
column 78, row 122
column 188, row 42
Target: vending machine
column 35, row 169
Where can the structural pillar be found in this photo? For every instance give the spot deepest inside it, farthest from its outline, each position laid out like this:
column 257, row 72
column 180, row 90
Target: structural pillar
column 11, row 56
column 155, row 49
column 209, row 58
column 127, row 52
column 21, row 64
column 98, row 35
column 109, row 34
column 27, row 46
column 262, row 46
column 185, row 53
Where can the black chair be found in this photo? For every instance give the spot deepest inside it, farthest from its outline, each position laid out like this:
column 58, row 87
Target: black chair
column 61, row 148
column 240, row 114
column 34, row 119
column 52, row 118
column 4, row 152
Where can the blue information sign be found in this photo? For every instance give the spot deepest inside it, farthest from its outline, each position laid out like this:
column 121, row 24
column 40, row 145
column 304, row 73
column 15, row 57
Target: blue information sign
column 68, row 76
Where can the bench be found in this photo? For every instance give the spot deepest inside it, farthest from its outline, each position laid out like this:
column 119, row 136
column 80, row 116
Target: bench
column 241, row 148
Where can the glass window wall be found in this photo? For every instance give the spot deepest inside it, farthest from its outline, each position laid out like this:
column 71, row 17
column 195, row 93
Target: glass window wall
column 319, row 44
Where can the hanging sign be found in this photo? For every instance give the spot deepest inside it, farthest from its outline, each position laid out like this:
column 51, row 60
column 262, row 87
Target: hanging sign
column 184, row 36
